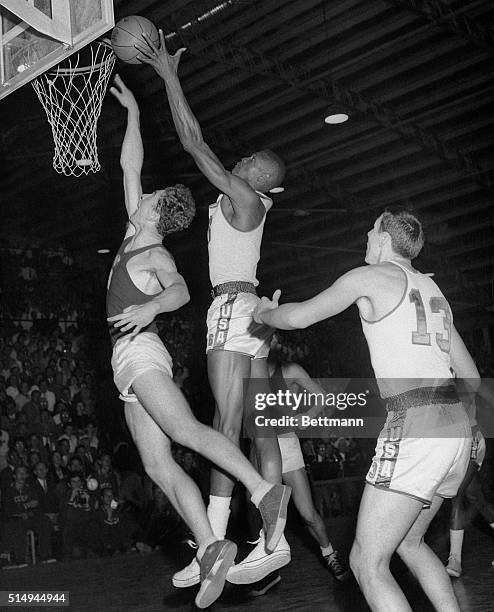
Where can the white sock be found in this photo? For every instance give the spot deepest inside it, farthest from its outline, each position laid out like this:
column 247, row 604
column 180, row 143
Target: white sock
column 456, row 542
column 491, row 525
column 218, row 514
column 326, row 550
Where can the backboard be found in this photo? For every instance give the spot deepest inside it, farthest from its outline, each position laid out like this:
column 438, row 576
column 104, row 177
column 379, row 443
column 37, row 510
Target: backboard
column 37, row 34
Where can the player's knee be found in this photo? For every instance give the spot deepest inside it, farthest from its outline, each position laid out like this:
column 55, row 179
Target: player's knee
column 188, row 433
column 355, row 559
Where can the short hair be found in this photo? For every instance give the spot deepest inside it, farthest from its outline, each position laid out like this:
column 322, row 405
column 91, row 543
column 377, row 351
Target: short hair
column 176, row 208
column 405, row 229
column 274, row 158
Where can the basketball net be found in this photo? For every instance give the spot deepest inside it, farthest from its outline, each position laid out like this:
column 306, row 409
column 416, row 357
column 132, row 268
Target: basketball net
column 72, row 97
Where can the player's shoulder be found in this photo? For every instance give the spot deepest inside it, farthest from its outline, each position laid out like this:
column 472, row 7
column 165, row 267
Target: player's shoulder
column 159, row 255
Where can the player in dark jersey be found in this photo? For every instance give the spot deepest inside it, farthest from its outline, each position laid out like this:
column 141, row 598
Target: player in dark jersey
column 143, row 283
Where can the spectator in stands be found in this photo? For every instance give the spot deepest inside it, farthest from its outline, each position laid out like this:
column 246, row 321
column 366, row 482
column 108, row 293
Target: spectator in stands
column 7, row 474
column 48, row 395
column 32, row 409
column 21, row 508
column 79, row 416
column 76, row 514
column 12, row 386
column 111, row 533
column 57, row 468
column 20, row 447
column 160, row 523
column 23, row 396
column 105, row 475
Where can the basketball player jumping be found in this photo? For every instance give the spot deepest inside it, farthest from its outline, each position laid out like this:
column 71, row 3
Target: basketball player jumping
column 143, row 283
column 423, row 451
column 237, row 348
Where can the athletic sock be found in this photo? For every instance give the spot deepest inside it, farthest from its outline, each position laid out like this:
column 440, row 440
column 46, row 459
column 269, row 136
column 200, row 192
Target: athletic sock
column 218, row 514
column 455, row 542
column 326, row 550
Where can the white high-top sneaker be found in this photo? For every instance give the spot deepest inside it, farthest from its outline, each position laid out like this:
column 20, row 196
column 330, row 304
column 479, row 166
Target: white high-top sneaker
column 259, row 563
column 189, row 576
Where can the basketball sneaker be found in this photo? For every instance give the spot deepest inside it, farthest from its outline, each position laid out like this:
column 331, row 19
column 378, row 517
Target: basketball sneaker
column 214, row 564
column 454, row 566
column 337, row 566
column 189, row 576
column 259, row 563
column 264, row 585
column 273, row 506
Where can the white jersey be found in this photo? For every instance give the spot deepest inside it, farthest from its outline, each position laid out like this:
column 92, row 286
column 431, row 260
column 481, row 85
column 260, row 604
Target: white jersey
column 233, row 254
column 413, row 340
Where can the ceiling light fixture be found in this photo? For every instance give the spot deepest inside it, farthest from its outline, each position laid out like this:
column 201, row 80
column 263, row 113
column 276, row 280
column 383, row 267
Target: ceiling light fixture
column 336, row 118
column 277, row 190
column 103, row 251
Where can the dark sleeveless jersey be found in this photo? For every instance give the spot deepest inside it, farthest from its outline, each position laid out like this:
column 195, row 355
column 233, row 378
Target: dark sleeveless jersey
column 122, row 292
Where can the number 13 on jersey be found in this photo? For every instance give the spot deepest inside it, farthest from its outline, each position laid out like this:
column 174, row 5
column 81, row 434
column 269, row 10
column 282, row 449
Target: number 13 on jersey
column 437, row 305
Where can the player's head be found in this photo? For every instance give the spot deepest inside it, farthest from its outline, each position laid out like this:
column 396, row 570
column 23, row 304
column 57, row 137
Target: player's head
column 395, row 233
column 263, row 170
column 170, row 210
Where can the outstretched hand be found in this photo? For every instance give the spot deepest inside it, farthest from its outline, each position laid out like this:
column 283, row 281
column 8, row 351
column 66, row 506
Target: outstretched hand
column 265, row 305
column 159, row 58
column 123, row 94
column 135, row 317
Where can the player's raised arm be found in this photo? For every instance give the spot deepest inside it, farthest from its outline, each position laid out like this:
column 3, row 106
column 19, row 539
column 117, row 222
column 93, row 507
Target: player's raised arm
column 132, row 153
column 188, row 128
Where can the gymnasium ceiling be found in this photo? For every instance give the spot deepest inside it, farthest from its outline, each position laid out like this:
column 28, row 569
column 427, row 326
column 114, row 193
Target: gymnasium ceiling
column 415, row 77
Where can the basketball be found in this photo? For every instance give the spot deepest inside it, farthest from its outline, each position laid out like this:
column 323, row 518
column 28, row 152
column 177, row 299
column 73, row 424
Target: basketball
column 127, row 32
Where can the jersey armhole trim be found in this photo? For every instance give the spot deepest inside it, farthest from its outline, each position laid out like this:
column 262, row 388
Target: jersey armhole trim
column 262, row 197
column 397, row 305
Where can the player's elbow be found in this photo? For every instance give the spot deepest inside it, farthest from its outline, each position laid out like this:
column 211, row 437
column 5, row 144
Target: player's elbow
column 184, row 295
column 297, row 319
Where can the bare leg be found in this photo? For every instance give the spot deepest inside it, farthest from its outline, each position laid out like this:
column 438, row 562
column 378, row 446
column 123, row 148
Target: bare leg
column 164, row 402
column 425, row 565
column 384, row 519
column 267, row 449
column 302, row 498
column 227, row 371
column 154, row 448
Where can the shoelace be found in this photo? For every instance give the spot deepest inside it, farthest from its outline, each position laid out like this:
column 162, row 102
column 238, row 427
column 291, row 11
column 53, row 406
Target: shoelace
column 335, row 564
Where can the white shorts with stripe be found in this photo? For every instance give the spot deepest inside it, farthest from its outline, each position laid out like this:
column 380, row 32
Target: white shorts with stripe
column 133, row 356
column 291, row 453
column 232, row 328
column 422, row 467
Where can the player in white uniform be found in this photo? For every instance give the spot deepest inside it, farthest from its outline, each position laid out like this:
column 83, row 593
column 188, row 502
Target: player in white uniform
column 237, row 347
column 423, row 451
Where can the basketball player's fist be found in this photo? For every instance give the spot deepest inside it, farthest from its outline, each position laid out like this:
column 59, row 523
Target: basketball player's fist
column 135, row 317
column 265, row 305
column 165, row 64
column 123, row 94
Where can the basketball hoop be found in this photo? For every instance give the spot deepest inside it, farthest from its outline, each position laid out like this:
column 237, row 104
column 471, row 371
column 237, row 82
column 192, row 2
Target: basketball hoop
column 72, row 96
